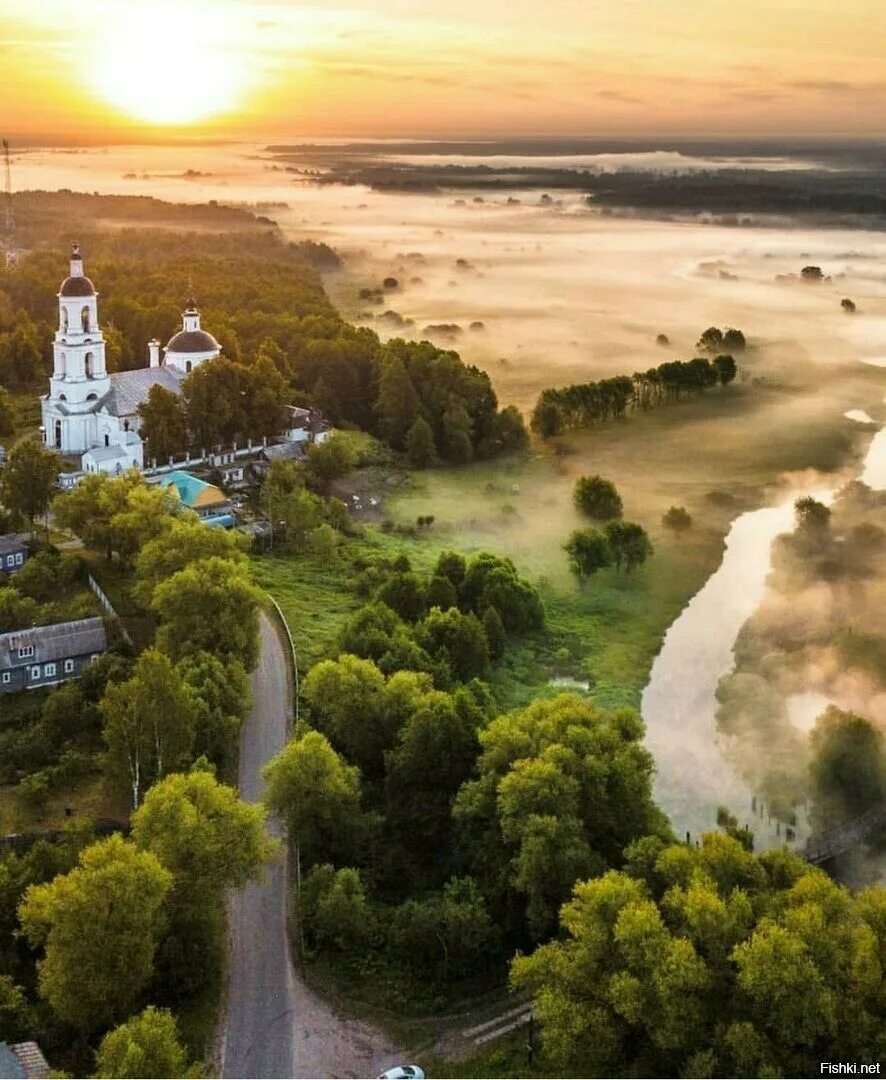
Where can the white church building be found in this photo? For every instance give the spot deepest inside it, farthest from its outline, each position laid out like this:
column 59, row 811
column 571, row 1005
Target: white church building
column 91, row 412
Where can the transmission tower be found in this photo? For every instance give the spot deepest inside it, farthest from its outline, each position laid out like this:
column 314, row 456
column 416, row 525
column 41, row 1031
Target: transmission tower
column 9, row 224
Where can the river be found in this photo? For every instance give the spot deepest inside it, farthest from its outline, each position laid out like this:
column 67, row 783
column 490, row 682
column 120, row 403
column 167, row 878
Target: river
column 679, row 704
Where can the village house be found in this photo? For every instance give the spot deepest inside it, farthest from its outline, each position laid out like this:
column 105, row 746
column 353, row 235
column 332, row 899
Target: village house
column 206, row 500
column 13, row 553
column 48, row 655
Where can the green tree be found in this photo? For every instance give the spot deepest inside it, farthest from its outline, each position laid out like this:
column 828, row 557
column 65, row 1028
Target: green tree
column 149, row 722
column 404, row 594
column 509, row 432
column 335, row 909
column 848, row 766
column 457, row 446
column 28, row 481
column 99, row 926
column 316, row 793
column 265, row 391
column 597, row 498
column 421, row 451
column 214, row 403
column 440, row 593
column 726, row 368
column 186, row 540
column 204, row 834
column 222, row 699
column 164, row 425
column 451, row 565
column 589, row 550
column 209, row 606
column 16, row 611
column 561, row 787
column 677, row 519
column 330, row 461
column 494, row 629
column 709, row 961
column 547, row 419
column 145, row 1045
column 7, row 413
column 629, row 544
column 456, row 639
column 398, row 404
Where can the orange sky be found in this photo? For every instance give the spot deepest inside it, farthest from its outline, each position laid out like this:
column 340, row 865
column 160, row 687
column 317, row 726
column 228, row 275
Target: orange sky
column 442, row 67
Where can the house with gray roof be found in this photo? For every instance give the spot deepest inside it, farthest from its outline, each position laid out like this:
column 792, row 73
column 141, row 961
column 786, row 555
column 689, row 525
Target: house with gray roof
column 23, row 1061
column 48, row 655
column 13, row 553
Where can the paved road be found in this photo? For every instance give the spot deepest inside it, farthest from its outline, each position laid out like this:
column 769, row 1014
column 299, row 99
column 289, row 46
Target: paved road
column 276, row 1026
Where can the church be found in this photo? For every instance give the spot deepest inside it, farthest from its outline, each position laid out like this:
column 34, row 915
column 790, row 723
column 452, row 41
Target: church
column 91, row 412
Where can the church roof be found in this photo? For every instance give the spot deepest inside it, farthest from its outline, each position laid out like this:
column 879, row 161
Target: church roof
column 107, row 453
column 130, row 388
column 192, row 341
column 77, row 286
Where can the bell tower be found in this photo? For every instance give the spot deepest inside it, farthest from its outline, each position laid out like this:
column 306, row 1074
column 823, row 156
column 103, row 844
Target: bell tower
column 79, row 376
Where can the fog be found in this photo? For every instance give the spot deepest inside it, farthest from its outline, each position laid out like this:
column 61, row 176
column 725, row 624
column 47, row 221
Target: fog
column 568, row 293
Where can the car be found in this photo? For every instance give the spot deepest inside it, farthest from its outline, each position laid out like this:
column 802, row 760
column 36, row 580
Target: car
column 403, row 1072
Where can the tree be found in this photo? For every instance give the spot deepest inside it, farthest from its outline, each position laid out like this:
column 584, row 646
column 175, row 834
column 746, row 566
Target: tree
column 99, row 926
column 548, row 418
column 145, row 1045
column 421, row 452
column 734, row 340
column 629, row 544
column 214, row 404
column 509, row 433
column 316, row 793
column 597, row 498
column 264, row 395
column 346, row 702
column 222, row 699
column 335, row 910
column 209, row 606
column 711, row 340
column 204, row 834
column 708, row 962
column 662, row 340
column 7, row 413
column 677, row 519
column 186, row 540
column 812, row 273
column 494, row 629
column 726, row 368
column 848, row 766
column 404, row 594
column 848, row 306
column 330, row 461
column 398, row 404
column 435, row 752
column 451, row 565
column 561, row 787
column 811, row 516
column 17, row 612
column 457, row 445
column 28, row 480
column 440, row 593
column 149, row 722
column 457, row 640
column 164, row 425
column 589, row 550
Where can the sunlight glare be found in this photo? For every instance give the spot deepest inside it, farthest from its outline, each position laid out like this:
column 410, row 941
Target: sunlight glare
column 166, row 65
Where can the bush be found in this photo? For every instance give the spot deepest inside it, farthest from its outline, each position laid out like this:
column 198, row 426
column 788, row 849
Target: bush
column 597, row 498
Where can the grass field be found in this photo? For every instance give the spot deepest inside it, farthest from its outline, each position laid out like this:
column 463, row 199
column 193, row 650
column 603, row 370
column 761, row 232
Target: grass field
column 716, row 456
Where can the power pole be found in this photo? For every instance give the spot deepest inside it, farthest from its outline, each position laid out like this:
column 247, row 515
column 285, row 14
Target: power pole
column 9, row 223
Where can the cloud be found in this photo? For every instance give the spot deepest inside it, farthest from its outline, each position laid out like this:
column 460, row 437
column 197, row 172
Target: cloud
column 837, row 86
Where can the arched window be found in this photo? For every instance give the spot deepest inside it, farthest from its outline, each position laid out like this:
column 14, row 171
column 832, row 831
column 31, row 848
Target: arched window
column 62, row 397
column 126, row 425
column 107, row 439
column 188, row 366
column 92, row 397
column 90, row 365
column 64, row 318
column 84, row 317
column 62, row 365
column 58, row 434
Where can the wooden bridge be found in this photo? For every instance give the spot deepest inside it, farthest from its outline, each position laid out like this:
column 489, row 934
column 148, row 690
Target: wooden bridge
column 827, row 845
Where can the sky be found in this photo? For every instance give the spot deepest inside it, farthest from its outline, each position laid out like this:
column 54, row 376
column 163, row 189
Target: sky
column 94, row 69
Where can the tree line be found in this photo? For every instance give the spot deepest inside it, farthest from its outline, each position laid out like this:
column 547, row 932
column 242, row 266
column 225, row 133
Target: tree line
column 584, row 404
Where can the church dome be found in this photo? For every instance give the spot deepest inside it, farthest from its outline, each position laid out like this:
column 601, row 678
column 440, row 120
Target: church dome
column 192, row 341
column 77, row 286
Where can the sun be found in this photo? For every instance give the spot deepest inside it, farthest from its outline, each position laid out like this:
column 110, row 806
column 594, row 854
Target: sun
column 166, row 66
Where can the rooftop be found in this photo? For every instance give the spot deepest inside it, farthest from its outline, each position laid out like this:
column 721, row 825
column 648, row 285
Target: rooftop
column 130, row 388
column 11, row 543
column 56, row 642
column 192, row 491
column 192, row 341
